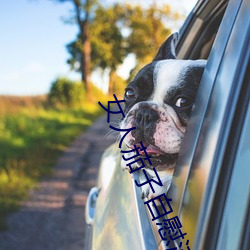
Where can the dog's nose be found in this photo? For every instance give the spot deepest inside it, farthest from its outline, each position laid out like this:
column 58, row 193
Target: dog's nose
column 144, row 118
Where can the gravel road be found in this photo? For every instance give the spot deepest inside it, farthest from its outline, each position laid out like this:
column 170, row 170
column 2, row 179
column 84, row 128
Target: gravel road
column 53, row 218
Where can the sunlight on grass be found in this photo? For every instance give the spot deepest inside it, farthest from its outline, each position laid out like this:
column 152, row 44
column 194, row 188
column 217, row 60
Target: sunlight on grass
column 14, row 186
column 31, row 139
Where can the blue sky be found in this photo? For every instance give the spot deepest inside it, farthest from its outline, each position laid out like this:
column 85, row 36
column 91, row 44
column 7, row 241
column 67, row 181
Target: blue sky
column 32, row 44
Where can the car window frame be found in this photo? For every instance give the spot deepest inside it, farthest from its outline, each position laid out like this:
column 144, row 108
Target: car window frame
column 235, row 183
column 191, row 23
column 192, row 139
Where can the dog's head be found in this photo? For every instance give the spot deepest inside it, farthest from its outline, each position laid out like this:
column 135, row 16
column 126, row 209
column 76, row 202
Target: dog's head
column 158, row 103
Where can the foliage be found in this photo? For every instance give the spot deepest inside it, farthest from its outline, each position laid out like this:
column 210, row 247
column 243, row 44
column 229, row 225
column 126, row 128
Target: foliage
column 31, row 138
column 83, row 13
column 118, row 85
column 74, row 49
column 108, row 48
column 98, row 95
column 65, row 92
column 119, row 30
column 148, row 30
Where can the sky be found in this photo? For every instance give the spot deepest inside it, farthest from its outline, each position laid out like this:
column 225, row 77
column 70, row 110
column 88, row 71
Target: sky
column 32, row 44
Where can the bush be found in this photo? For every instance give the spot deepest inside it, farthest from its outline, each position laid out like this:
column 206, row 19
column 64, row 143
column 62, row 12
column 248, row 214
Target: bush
column 65, row 92
column 97, row 95
column 119, row 86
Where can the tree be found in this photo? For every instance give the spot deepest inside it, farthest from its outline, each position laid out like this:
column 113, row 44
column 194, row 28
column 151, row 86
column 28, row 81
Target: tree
column 83, row 16
column 148, row 31
column 108, row 45
column 108, row 48
column 119, row 30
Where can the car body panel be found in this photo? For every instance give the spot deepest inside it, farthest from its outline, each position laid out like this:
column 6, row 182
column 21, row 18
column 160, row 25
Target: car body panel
column 117, row 223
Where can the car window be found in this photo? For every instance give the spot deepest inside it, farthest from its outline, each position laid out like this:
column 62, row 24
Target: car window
column 197, row 173
column 198, row 34
column 235, row 212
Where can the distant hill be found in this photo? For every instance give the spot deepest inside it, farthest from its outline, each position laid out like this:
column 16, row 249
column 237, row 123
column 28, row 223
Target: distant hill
column 10, row 104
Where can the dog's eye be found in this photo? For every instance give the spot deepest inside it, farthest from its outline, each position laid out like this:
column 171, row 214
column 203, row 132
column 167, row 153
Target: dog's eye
column 183, row 102
column 130, row 94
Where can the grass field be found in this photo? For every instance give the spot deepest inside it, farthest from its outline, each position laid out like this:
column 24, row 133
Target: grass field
column 31, row 139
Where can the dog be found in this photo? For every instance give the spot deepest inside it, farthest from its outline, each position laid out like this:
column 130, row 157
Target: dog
column 158, row 102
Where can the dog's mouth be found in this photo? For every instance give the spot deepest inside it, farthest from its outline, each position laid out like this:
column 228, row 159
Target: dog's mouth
column 157, row 157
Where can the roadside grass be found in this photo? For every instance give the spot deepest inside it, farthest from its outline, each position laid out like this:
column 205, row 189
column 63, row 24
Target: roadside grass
column 32, row 137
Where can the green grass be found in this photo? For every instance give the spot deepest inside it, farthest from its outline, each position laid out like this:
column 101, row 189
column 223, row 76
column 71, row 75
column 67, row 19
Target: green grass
column 31, row 139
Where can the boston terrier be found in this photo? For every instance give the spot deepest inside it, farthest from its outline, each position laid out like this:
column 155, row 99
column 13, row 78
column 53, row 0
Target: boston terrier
column 158, row 102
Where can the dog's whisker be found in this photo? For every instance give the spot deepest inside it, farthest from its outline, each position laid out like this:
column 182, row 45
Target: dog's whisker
column 118, row 138
column 116, row 124
column 110, row 133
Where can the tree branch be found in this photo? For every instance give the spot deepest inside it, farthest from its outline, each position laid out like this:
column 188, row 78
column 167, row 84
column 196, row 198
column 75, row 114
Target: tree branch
column 78, row 14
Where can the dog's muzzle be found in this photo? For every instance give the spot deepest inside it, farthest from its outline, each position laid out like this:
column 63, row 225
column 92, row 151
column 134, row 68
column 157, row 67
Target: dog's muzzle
column 145, row 118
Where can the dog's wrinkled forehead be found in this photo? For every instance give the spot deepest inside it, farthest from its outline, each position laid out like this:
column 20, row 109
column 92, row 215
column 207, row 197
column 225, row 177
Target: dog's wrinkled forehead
column 162, row 80
column 165, row 79
column 173, row 75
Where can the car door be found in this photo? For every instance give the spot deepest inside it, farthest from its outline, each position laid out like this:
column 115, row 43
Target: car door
column 118, row 217
column 209, row 177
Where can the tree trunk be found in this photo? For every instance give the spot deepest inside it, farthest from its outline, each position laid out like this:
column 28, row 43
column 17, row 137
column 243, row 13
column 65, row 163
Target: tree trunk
column 111, row 82
column 86, row 57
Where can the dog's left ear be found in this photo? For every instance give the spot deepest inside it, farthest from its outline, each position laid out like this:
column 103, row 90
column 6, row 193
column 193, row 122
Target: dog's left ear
column 167, row 49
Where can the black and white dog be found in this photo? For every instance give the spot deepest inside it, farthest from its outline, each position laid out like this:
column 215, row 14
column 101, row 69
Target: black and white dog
column 158, row 103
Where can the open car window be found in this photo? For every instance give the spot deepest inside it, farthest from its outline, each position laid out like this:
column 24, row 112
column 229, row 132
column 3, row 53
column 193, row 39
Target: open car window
column 198, row 176
column 198, row 33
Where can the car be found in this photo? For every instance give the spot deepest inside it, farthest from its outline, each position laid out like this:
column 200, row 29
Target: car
column 210, row 190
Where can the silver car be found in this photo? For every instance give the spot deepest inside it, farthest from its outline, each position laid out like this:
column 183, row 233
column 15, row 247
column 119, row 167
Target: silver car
column 211, row 186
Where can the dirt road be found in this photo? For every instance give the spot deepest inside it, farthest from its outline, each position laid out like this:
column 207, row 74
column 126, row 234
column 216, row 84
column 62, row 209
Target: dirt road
column 53, row 218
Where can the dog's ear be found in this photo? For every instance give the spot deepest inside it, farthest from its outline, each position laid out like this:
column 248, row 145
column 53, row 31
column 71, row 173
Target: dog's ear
column 167, row 49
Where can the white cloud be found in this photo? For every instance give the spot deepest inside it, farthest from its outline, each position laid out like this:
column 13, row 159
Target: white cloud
column 32, row 68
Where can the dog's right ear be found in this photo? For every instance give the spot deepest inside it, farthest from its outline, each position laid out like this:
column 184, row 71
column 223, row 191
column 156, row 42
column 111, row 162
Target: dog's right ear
column 167, row 49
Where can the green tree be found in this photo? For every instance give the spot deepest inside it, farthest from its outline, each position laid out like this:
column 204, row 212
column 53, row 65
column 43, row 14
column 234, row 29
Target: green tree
column 83, row 16
column 108, row 45
column 108, row 48
column 148, row 31
column 119, row 30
